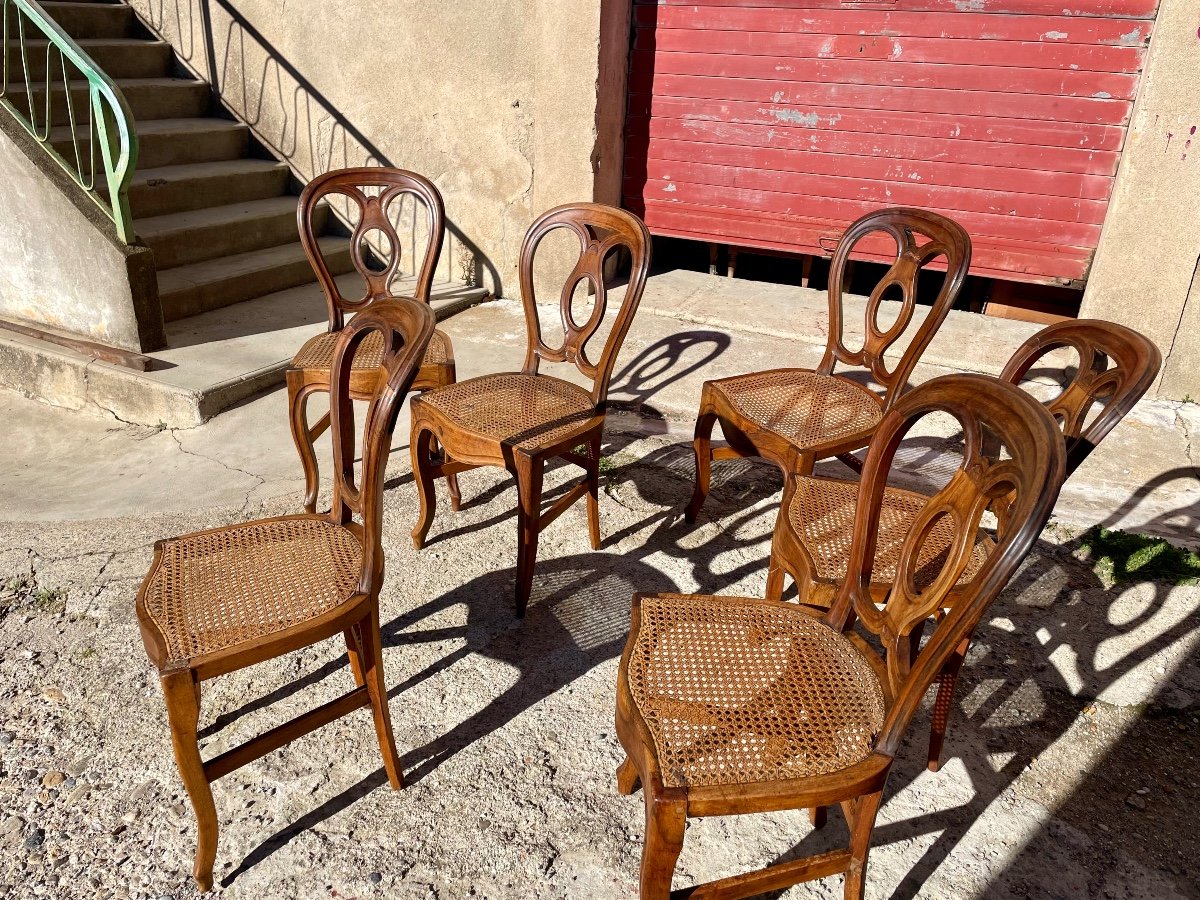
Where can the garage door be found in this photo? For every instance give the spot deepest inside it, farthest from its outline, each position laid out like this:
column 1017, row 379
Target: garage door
column 774, row 125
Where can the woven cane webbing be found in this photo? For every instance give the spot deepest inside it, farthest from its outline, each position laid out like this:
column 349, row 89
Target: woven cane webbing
column 523, row 410
column 805, row 407
column 821, row 515
column 215, row 589
column 317, row 352
column 736, row 691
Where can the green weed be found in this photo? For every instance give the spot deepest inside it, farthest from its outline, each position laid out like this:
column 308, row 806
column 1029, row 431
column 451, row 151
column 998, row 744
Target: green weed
column 1119, row 557
column 23, row 592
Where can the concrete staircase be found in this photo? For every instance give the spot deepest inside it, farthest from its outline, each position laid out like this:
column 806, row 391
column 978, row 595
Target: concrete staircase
column 238, row 295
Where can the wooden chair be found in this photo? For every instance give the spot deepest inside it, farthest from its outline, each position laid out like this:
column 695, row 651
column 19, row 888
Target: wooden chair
column 374, row 191
column 794, row 417
column 220, row 600
column 731, row 705
column 1116, row 367
column 519, row 420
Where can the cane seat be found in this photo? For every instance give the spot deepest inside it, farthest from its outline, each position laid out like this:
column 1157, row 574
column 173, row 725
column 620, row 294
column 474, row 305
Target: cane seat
column 212, row 590
column 803, row 407
column 737, row 691
column 515, row 409
column 820, row 515
column 317, row 352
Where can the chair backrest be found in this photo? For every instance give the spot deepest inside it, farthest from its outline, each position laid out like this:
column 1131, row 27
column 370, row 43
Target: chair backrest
column 602, row 231
column 407, row 326
column 1017, row 481
column 945, row 238
column 1116, row 367
column 374, row 190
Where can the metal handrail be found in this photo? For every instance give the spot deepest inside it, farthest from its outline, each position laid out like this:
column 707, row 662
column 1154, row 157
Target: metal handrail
column 109, row 121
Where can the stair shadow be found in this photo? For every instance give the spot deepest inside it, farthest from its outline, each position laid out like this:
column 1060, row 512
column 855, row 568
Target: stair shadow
column 327, row 127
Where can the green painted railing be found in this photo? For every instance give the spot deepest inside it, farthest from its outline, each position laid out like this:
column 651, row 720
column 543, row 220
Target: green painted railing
column 103, row 128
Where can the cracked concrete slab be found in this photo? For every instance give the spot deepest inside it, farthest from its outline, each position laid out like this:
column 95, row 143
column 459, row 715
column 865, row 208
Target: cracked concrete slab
column 1067, row 772
column 1070, row 755
column 1143, row 477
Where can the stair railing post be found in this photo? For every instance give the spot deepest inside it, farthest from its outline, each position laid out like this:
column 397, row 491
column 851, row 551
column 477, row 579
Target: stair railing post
column 110, row 123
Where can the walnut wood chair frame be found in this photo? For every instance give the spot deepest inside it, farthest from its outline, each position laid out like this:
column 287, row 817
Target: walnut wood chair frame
column 758, row 413
column 837, row 742
column 519, row 421
column 308, row 373
column 220, row 600
column 1116, row 368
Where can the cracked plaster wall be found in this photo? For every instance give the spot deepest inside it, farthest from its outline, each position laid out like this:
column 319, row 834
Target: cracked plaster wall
column 51, row 245
column 1146, row 263
column 495, row 103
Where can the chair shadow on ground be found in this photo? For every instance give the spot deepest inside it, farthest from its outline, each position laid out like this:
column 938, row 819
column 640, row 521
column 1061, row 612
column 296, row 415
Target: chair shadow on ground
column 664, row 363
column 1017, row 702
column 1056, row 639
column 578, row 618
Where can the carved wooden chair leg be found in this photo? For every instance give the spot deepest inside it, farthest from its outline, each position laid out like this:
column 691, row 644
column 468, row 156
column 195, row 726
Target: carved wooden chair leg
column 354, row 655
column 947, row 679
column 860, row 815
column 702, row 447
column 665, row 822
column 775, row 575
column 529, row 503
column 304, row 437
column 436, row 449
column 593, row 496
column 818, row 816
column 181, row 691
column 628, row 779
column 372, row 665
column 422, row 466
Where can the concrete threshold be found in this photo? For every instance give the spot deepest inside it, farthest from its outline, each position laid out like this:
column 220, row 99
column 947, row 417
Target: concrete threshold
column 966, row 342
column 213, row 360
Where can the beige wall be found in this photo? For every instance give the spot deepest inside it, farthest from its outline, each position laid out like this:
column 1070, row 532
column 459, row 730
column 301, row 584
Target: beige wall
column 495, row 102
column 1144, row 273
column 65, row 270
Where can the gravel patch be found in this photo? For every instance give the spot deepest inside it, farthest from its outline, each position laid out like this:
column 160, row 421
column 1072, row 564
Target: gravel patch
column 1071, row 758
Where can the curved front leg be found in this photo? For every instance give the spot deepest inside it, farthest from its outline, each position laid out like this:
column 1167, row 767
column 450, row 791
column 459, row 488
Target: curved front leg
column 422, row 466
column 304, row 437
column 702, row 448
column 181, row 691
column 665, row 823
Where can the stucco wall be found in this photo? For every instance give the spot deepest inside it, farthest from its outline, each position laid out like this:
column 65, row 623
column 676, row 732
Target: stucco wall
column 1146, row 263
column 495, row 102
column 64, row 268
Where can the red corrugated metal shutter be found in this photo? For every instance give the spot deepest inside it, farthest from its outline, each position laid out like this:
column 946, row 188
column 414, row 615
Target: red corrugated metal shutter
column 775, row 125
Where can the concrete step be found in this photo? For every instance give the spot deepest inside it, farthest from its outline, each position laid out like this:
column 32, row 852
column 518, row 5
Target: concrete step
column 148, row 98
column 171, row 189
column 171, row 142
column 117, row 57
column 214, row 360
column 190, row 290
column 194, row 236
column 85, row 20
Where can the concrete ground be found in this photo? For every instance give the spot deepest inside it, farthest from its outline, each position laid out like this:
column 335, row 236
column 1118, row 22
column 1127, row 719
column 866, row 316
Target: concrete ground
column 1071, row 759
